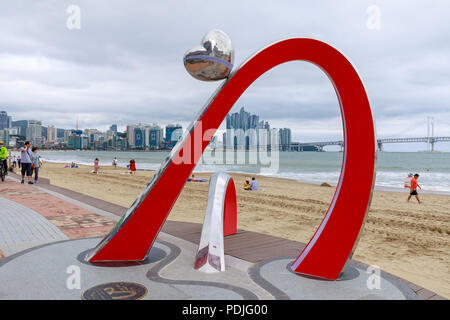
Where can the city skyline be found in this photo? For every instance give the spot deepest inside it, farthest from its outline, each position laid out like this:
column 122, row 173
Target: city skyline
column 52, row 135
column 141, row 135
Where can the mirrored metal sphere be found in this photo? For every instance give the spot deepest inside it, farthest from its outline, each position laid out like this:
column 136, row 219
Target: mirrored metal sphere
column 213, row 60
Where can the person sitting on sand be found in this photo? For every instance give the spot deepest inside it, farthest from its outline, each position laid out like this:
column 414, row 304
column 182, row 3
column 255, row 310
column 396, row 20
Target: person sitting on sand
column 73, row 165
column 132, row 166
column 246, row 185
column 254, row 184
column 414, row 185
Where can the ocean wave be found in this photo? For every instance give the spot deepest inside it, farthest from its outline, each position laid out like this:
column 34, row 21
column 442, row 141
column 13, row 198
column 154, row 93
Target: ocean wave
column 431, row 181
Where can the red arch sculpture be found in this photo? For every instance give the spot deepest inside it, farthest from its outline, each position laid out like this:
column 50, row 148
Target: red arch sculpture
column 337, row 235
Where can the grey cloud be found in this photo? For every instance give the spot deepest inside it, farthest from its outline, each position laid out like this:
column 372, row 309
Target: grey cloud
column 125, row 64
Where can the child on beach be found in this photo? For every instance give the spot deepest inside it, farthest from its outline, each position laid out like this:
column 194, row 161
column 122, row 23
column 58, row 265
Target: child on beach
column 414, row 185
column 96, row 167
column 132, row 166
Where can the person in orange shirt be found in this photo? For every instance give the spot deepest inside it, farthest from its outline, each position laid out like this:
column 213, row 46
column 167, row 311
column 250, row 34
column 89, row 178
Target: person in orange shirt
column 414, row 185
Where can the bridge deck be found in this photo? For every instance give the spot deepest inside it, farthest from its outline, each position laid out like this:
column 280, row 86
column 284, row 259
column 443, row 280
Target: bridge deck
column 379, row 141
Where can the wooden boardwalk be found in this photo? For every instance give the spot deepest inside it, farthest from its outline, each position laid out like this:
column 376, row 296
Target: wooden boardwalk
column 245, row 245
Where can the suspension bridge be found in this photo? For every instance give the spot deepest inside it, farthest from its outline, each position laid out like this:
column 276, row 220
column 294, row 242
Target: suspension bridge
column 430, row 140
column 296, row 146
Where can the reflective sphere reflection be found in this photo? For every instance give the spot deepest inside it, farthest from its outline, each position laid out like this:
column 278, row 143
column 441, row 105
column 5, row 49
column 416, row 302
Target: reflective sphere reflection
column 213, row 60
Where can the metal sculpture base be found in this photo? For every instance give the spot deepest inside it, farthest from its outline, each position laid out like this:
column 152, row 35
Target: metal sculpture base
column 220, row 220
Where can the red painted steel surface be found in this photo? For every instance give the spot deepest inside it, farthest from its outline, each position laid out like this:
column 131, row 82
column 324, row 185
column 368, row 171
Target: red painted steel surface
column 334, row 240
column 230, row 210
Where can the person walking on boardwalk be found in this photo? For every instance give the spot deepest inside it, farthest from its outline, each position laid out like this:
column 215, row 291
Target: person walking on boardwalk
column 36, row 163
column 26, row 157
column 414, row 185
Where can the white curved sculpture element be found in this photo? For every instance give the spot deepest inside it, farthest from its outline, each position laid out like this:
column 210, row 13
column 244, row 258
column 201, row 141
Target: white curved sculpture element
column 220, row 221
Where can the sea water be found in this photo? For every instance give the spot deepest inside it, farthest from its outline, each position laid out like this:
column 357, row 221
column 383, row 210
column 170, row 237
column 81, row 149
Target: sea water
column 312, row 167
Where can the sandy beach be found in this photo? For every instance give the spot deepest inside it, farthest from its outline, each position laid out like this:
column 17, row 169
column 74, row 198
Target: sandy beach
column 406, row 239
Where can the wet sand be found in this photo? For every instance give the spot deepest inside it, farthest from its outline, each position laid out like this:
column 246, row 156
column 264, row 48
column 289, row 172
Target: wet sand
column 406, row 239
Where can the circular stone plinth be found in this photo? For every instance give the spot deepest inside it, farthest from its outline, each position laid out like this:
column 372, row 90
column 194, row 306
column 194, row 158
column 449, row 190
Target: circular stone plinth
column 58, row 271
column 355, row 283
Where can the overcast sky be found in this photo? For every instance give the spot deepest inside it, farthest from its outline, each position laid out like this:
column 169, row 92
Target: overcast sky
column 124, row 64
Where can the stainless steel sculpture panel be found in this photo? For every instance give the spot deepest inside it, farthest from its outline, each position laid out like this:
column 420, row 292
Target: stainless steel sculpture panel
column 210, row 255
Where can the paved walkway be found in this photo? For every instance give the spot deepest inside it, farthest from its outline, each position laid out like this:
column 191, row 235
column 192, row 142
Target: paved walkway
column 50, row 214
column 22, row 228
column 72, row 220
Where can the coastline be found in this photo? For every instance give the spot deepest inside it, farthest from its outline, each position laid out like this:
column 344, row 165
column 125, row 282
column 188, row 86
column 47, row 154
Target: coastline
column 333, row 184
column 405, row 239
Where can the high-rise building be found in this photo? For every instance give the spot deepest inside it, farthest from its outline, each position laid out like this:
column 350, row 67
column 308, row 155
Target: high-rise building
column 74, row 142
column 14, row 131
column 254, row 121
column 174, row 132
column 155, row 137
column 60, row 133
column 67, row 134
column 22, row 124
column 285, row 139
column 113, row 128
column 51, row 134
column 4, row 122
column 4, row 136
column 238, row 135
column 34, row 132
column 130, row 135
column 84, row 142
column 139, row 139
